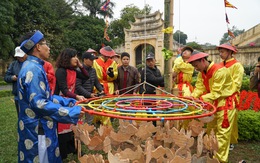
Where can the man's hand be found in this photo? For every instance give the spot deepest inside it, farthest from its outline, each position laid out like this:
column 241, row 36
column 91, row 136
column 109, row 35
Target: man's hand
column 101, row 94
column 93, row 95
column 80, row 98
column 79, row 64
column 174, row 77
column 14, row 78
column 117, row 92
column 110, row 72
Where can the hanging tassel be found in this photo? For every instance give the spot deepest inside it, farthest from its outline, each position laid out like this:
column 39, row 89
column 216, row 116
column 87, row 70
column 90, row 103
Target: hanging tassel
column 228, row 106
column 225, row 122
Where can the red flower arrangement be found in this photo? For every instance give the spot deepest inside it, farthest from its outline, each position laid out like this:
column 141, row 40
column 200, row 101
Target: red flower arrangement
column 249, row 100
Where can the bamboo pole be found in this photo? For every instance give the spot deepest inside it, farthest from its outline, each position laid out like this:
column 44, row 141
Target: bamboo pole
column 168, row 44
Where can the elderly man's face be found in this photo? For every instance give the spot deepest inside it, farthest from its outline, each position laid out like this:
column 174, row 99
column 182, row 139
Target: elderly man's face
column 43, row 49
column 150, row 62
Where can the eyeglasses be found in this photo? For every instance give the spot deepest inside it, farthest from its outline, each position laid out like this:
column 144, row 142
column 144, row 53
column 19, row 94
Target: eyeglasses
column 44, row 43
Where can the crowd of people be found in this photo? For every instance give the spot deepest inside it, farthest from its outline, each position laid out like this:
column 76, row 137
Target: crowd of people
column 45, row 99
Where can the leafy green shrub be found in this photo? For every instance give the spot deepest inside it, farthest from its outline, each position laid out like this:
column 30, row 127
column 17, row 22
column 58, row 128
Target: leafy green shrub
column 249, row 125
column 195, row 74
column 194, row 79
column 245, row 83
column 5, row 93
column 249, row 69
column 3, row 83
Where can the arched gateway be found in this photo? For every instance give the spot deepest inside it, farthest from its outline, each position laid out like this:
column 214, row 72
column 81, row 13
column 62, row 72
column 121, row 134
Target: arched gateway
column 145, row 33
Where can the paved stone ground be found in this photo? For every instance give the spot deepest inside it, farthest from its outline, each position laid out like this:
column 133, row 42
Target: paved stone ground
column 5, row 87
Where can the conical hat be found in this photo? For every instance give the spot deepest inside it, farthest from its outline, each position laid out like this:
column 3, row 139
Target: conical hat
column 197, row 55
column 228, row 46
column 107, row 51
column 92, row 51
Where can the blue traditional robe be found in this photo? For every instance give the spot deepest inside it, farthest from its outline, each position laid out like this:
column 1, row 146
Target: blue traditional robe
column 38, row 105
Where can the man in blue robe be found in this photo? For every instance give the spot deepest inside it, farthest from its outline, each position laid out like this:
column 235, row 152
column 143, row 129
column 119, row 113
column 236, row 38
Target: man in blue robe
column 39, row 109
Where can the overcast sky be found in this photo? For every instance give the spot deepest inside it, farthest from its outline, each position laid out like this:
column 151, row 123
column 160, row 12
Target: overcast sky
column 203, row 20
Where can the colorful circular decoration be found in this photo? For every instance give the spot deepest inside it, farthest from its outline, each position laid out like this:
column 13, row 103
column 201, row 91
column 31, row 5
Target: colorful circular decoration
column 148, row 107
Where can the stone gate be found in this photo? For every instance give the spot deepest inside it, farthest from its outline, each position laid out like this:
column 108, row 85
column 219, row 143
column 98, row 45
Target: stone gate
column 145, row 35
